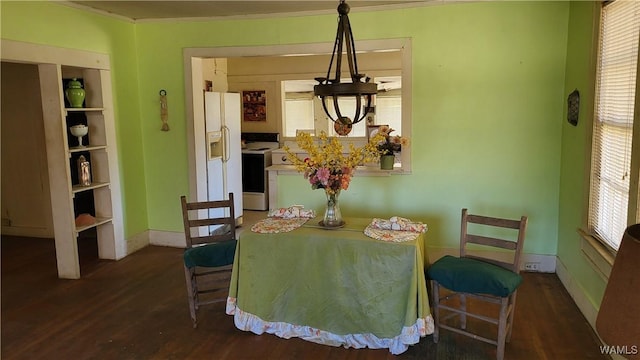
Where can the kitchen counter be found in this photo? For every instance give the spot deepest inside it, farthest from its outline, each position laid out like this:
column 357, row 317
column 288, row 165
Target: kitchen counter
column 281, row 165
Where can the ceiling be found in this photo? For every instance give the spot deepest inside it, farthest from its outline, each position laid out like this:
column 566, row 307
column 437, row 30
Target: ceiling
column 149, row 10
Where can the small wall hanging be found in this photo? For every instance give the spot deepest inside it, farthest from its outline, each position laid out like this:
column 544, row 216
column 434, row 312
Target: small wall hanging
column 164, row 110
column 573, row 107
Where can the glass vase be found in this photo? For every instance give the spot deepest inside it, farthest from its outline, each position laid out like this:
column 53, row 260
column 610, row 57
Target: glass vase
column 332, row 214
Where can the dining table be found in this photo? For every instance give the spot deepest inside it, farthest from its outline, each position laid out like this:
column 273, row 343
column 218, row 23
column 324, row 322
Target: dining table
column 332, row 286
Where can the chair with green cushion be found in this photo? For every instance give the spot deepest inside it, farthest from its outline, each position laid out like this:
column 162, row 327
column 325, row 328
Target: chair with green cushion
column 210, row 232
column 481, row 273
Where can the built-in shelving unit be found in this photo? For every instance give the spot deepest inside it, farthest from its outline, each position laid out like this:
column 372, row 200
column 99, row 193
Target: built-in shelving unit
column 94, row 185
column 86, row 148
column 102, row 199
column 95, row 199
column 99, row 222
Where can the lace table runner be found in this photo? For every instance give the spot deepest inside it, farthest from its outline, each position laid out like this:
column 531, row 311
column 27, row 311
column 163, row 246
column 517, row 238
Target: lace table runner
column 277, row 225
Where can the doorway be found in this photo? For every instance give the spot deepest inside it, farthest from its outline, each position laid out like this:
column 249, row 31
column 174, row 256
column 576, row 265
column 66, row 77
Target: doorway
column 48, row 66
column 192, row 60
column 26, row 204
column 27, row 216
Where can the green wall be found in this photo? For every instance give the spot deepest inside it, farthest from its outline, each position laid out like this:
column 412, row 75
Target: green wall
column 488, row 89
column 490, row 81
column 488, row 100
column 62, row 26
column 574, row 182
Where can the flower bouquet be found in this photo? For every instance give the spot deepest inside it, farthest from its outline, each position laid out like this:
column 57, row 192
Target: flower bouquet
column 328, row 167
column 388, row 145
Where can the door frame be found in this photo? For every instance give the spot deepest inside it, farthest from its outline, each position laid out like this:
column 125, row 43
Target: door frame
column 193, row 85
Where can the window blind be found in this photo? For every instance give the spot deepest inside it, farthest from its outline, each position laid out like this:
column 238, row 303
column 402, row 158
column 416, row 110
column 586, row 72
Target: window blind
column 613, row 123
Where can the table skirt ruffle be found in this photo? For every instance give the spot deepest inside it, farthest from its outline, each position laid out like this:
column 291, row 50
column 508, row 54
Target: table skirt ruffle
column 410, row 335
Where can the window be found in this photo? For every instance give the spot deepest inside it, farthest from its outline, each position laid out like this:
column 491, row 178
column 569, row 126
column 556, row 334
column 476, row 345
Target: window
column 299, row 115
column 301, row 107
column 609, row 207
column 389, row 112
column 347, row 108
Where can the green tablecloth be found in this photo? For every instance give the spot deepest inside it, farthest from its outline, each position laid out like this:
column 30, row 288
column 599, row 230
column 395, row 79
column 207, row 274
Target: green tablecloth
column 336, row 287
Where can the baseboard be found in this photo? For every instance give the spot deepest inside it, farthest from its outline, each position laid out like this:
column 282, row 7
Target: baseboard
column 37, row 232
column 586, row 306
column 544, row 263
column 137, row 242
column 167, row 238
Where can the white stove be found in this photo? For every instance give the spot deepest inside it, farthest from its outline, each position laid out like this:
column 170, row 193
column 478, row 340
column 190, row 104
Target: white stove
column 256, row 157
column 259, row 147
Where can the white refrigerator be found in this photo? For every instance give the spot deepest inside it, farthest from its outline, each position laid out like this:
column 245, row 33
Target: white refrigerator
column 224, row 150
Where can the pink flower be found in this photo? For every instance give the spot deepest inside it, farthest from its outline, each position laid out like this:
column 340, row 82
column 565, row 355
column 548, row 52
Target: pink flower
column 323, row 175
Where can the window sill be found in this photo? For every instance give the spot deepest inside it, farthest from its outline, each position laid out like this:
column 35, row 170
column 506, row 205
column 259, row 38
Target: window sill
column 281, row 164
column 598, row 256
column 360, row 170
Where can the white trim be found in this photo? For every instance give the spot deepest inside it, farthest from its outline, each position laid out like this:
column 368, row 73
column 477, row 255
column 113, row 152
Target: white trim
column 546, row 263
column 586, row 306
column 137, row 242
column 596, row 254
column 23, row 52
column 96, row 11
column 385, row 7
column 175, row 239
column 167, row 238
column 28, row 231
column 189, row 54
column 52, row 63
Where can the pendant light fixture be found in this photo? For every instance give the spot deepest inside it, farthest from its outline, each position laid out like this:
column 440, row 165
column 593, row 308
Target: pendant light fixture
column 331, row 90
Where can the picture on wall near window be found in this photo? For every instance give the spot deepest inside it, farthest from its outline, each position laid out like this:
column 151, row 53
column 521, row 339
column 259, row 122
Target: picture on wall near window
column 372, row 130
column 254, row 105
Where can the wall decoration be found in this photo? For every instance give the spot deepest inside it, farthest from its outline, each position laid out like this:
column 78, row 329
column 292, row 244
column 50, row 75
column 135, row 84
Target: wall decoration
column 254, row 105
column 164, row 110
column 372, row 130
column 573, row 107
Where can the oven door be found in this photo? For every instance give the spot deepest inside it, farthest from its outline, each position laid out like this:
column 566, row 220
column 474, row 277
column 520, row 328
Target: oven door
column 253, row 173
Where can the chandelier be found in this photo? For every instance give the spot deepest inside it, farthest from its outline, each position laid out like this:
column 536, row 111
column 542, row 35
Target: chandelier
column 331, row 90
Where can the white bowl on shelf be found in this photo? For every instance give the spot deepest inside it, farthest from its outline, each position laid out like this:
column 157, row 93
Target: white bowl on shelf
column 79, row 131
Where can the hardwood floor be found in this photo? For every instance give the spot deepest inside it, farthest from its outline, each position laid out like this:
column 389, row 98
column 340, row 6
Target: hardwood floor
column 136, row 308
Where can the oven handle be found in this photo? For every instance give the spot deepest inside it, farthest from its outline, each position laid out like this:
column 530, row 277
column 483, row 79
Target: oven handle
column 227, row 146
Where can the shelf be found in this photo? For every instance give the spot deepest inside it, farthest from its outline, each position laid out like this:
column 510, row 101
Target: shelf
column 360, row 170
column 83, row 109
column 76, row 149
column 94, row 185
column 99, row 221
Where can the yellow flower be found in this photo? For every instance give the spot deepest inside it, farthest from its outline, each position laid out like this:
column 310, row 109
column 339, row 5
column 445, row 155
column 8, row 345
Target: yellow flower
column 327, row 156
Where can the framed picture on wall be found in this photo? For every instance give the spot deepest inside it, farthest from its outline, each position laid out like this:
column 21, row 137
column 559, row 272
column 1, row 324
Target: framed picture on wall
column 254, row 105
column 372, row 130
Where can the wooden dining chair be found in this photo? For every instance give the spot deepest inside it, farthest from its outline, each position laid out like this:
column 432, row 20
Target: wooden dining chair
column 480, row 274
column 210, row 231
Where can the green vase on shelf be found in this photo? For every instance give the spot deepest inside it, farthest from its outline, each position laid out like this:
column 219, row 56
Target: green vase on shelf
column 75, row 93
column 386, row 161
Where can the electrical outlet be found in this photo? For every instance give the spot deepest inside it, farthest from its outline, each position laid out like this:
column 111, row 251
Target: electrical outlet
column 532, row 266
